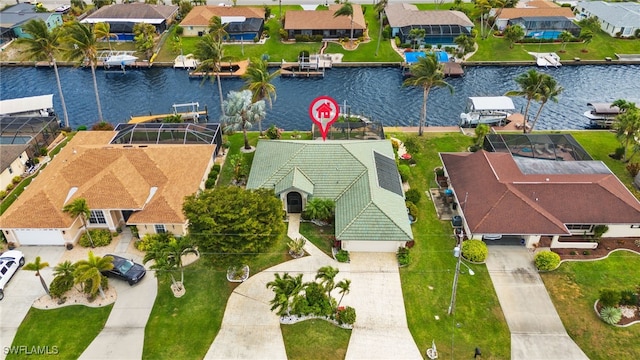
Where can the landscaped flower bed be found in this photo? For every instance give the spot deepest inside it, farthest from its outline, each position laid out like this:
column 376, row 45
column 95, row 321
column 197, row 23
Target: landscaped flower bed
column 605, row 246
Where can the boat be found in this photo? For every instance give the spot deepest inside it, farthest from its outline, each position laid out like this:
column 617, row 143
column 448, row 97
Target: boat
column 120, row 60
column 490, row 110
column 602, row 114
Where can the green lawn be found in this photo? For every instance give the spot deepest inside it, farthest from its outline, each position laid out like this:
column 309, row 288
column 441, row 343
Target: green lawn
column 575, row 286
column 68, row 331
column 315, row 339
column 321, row 237
column 427, row 281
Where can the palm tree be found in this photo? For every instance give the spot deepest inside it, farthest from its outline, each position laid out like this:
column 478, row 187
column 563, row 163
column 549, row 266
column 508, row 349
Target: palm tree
column 36, row 266
column 42, row 45
column 346, row 10
column 345, row 287
column 417, row 35
column 426, row 73
column 379, row 8
column 586, row 36
column 530, row 84
column 549, row 90
column 565, row 37
column 239, row 112
column 327, row 275
column 65, row 268
column 209, row 53
column 84, row 47
column 103, row 30
column 79, row 207
column 287, row 289
column 90, row 271
column 513, row 33
column 168, row 255
column 258, row 80
column 465, row 43
column 482, row 7
column 627, row 126
column 320, row 208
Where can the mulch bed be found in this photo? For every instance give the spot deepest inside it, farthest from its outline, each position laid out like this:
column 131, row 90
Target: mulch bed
column 605, row 246
column 624, row 320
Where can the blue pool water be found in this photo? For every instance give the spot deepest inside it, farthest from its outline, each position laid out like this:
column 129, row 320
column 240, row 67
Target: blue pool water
column 412, row 57
column 547, row 34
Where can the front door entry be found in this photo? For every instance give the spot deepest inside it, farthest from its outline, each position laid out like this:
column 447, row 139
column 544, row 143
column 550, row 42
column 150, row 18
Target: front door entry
column 294, row 202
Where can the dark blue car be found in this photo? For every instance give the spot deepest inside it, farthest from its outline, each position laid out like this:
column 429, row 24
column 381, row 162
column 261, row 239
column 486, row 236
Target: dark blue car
column 126, row 269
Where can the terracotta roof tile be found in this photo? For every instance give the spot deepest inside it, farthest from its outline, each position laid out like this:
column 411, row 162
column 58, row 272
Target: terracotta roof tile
column 512, row 13
column 201, row 15
column 324, row 19
column 112, row 177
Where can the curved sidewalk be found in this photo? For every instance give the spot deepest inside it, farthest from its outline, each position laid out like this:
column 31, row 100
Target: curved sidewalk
column 250, row 330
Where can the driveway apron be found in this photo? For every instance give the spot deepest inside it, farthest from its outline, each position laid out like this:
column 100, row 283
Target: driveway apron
column 123, row 335
column 381, row 330
column 536, row 329
column 23, row 289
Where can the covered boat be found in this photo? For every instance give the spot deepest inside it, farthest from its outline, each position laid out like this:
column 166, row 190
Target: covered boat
column 120, row 60
column 490, row 110
column 602, row 114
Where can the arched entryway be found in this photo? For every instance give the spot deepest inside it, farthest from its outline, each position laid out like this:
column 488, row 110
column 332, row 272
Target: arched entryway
column 294, row 202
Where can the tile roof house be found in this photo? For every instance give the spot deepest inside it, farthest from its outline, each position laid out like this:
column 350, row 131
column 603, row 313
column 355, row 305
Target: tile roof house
column 142, row 185
column 546, row 18
column 360, row 176
column 13, row 17
column 323, row 22
column 616, row 18
column 529, row 198
column 442, row 26
column 196, row 23
column 123, row 17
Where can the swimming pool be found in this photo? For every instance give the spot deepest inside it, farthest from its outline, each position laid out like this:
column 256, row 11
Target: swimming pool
column 545, row 34
column 412, row 57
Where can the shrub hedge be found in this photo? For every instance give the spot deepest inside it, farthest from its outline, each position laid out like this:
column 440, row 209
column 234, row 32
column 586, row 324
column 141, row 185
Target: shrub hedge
column 475, row 250
column 547, row 260
column 100, row 237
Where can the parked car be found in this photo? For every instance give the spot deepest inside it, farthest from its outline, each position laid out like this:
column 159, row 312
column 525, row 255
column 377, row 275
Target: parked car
column 125, row 269
column 10, row 262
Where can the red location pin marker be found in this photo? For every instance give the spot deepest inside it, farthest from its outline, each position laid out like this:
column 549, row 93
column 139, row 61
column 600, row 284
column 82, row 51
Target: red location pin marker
column 324, row 111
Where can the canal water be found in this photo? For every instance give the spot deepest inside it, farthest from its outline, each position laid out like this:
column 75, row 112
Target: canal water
column 374, row 92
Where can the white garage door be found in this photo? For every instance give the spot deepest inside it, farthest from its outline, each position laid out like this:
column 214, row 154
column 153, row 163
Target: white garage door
column 372, row 246
column 39, row 237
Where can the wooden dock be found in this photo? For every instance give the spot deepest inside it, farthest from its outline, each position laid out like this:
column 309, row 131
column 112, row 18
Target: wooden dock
column 159, row 117
column 292, row 72
column 231, row 70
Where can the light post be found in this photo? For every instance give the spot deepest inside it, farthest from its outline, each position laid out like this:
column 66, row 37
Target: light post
column 456, row 253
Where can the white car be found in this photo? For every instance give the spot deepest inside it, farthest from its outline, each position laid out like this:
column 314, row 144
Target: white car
column 10, row 262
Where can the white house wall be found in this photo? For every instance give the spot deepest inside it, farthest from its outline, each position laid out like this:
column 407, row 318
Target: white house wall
column 16, row 168
column 175, row 229
column 193, row 30
column 372, row 246
column 622, row 231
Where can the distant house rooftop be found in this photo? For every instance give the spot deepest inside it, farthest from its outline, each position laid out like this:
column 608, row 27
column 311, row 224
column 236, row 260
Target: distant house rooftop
column 402, row 14
column 620, row 14
column 324, row 19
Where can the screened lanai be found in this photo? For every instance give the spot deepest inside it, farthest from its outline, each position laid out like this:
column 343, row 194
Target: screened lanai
column 168, row 133
column 559, row 147
column 37, row 132
column 546, row 27
column 435, row 34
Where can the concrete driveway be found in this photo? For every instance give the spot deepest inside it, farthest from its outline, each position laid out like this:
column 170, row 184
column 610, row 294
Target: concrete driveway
column 381, row 330
column 23, row 290
column 123, row 335
column 536, row 329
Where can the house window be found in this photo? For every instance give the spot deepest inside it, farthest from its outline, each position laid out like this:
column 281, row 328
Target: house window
column 10, row 170
column 97, row 217
column 160, row 229
column 580, row 228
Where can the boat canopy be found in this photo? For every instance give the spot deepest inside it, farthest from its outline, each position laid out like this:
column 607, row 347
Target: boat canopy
column 26, row 104
column 491, row 103
column 604, row 108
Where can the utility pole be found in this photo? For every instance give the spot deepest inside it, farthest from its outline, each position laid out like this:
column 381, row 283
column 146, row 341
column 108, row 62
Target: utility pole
column 454, row 290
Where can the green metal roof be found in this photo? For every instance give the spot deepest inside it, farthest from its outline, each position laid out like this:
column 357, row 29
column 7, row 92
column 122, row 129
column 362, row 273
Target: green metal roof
column 345, row 171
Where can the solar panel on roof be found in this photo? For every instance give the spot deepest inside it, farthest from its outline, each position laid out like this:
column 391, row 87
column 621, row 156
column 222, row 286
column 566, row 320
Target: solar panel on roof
column 387, row 172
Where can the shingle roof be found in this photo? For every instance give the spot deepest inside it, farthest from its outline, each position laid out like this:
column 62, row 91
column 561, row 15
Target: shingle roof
column 324, row 19
column 19, row 14
column 401, row 14
column 512, row 13
column 344, row 171
column 9, row 153
column 501, row 199
column 619, row 14
column 110, row 177
column 201, row 15
column 134, row 11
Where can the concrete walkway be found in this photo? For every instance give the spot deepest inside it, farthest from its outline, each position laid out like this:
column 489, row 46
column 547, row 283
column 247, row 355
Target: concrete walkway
column 536, row 329
column 23, row 289
column 123, row 335
column 250, row 330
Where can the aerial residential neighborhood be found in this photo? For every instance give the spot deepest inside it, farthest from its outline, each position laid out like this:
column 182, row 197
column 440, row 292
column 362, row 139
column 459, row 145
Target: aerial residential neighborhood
column 340, row 180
